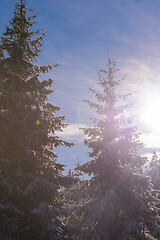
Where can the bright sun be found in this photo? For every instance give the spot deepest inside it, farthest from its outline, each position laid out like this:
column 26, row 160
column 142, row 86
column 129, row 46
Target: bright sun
column 150, row 113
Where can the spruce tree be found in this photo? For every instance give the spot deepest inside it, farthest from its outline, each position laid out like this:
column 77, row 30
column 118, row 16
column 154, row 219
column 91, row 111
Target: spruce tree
column 117, row 203
column 154, row 168
column 153, row 172
column 30, row 177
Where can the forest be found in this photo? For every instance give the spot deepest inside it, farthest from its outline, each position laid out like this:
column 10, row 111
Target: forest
column 117, row 201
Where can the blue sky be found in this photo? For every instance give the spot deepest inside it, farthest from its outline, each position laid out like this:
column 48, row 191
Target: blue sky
column 79, row 35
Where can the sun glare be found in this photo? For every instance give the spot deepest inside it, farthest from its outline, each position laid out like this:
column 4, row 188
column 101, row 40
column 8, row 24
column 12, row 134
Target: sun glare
column 150, row 113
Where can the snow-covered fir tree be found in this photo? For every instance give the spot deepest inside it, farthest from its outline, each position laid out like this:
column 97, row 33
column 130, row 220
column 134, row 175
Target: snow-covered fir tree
column 154, row 169
column 30, row 177
column 117, row 203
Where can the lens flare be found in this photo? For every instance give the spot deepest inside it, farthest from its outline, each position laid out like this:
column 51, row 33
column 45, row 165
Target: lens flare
column 38, row 122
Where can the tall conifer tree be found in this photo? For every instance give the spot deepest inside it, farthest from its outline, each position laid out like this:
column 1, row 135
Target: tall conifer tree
column 119, row 204
column 154, row 169
column 30, row 177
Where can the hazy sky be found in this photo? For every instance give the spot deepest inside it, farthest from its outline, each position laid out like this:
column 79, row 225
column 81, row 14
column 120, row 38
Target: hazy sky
column 79, row 35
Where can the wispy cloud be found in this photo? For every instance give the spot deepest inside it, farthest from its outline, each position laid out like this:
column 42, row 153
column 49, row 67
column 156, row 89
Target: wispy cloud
column 73, row 132
column 142, row 80
column 151, row 141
